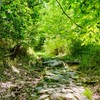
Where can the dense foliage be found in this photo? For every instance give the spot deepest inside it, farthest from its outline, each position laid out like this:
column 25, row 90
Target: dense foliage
column 17, row 20
column 77, row 23
column 70, row 27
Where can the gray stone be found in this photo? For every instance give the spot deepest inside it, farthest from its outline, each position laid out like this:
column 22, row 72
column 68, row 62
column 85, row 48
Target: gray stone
column 49, row 73
column 55, row 96
column 96, row 97
column 78, row 84
column 68, row 96
column 75, row 89
column 43, row 97
column 80, row 96
column 54, row 86
column 69, row 91
column 47, row 99
column 81, row 89
column 43, row 91
column 63, row 90
column 53, row 63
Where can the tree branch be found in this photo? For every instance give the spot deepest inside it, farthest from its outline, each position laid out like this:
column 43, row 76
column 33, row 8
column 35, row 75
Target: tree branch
column 68, row 15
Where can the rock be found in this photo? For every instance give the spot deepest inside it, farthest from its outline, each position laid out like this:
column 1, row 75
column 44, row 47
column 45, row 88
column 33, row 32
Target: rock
column 54, row 86
column 96, row 97
column 47, row 99
column 80, row 96
column 14, row 69
column 71, row 82
column 62, row 85
column 45, row 86
column 39, row 88
column 81, row 89
column 78, row 84
column 63, row 90
column 71, row 74
column 43, row 97
column 59, row 90
column 49, row 90
column 49, row 73
column 69, row 90
column 7, row 85
column 43, row 91
column 75, row 89
column 53, row 63
column 68, row 96
column 65, row 81
column 55, row 96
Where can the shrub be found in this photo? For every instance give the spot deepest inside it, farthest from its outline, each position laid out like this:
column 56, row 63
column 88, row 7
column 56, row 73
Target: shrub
column 56, row 46
column 90, row 61
column 88, row 93
column 89, row 56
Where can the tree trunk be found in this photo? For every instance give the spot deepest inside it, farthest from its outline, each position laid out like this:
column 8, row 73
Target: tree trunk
column 14, row 51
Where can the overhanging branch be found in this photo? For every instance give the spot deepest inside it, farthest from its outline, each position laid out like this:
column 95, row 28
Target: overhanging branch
column 68, row 15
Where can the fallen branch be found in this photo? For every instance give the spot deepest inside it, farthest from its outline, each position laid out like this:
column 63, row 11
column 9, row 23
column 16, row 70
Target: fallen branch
column 73, row 62
column 68, row 15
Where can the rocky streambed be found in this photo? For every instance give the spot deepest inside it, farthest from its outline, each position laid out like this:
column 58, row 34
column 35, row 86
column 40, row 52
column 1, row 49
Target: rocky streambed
column 55, row 80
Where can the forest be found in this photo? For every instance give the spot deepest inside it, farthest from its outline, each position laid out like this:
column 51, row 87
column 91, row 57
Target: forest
column 49, row 49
